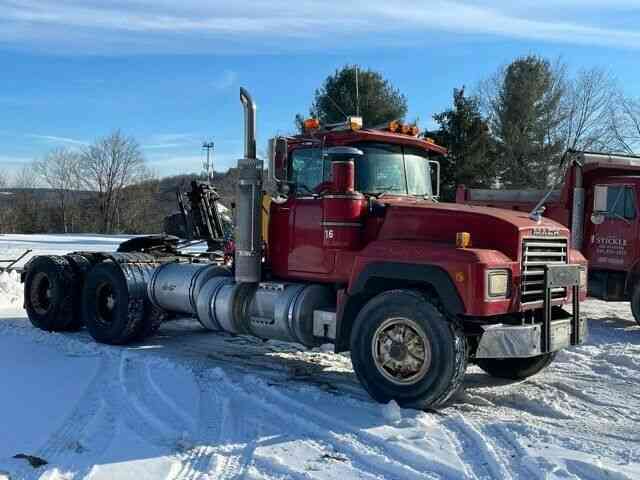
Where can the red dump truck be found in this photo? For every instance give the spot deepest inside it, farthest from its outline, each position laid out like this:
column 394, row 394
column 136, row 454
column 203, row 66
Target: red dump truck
column 355, row 251
column 598, row 199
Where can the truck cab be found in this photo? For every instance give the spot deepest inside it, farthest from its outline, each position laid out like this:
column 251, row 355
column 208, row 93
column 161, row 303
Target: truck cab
column 359, row 209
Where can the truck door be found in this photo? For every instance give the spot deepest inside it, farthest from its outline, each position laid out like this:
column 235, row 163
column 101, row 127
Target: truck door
column 307, row 254
column 612, row 243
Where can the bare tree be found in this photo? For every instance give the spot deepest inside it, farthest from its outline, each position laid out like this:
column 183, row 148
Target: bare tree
column 108, row 167
column 140, row 212
column 586, row 109
column 25, row 211
column 60, row 171
column 624, row 116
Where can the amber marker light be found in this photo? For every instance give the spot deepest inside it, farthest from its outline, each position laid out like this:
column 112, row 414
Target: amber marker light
column 311, row 124
column 355, row 123
column 463, row 239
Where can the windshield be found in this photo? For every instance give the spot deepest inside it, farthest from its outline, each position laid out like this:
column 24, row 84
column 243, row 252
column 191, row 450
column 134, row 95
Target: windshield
column 384, row 169
column 393, row 169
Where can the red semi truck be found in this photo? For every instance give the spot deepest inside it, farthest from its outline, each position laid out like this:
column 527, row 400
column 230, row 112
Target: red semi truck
column 598, row 200
column 359, row 253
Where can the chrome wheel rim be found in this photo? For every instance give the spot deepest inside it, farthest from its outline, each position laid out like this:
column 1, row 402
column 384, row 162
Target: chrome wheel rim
column 401, row 351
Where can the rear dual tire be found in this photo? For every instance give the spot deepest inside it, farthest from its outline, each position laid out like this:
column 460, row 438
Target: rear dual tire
column 113, row 313
column 50, row 294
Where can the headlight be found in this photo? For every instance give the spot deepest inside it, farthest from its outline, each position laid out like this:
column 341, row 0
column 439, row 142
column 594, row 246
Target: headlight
column 583, row 277
column 498, row 283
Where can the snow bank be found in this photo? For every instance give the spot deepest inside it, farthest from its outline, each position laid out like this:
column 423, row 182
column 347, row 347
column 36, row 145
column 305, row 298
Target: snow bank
column 10, row 290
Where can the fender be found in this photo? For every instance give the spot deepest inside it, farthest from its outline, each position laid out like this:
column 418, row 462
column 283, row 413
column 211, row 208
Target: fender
column 435, row 276
column 350, row 302
column 632, row 275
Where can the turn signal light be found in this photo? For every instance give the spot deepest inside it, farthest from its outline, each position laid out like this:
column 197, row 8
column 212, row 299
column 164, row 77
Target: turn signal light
column 311, row 124
column 394, row 126
column 355, row 123
column 463, row 239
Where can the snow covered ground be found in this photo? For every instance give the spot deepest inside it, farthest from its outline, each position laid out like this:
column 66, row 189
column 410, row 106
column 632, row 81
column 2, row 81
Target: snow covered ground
column 188, row 404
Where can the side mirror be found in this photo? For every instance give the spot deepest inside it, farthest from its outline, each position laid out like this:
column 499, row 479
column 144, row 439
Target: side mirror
column 434, row 169
column 600, row 199
column 278, row 150
column 600, row 193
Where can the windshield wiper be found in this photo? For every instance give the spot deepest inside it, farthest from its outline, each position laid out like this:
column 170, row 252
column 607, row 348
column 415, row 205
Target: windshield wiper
column 385, row 191
column 306, row 189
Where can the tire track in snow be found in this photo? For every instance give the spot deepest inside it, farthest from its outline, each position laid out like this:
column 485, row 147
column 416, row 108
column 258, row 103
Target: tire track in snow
column 589, row 400
column 90, row 414
column 476, row 451
column 221, row 452
column 142, row 410
column 364, row 448
column 202, row 458
column 523, row 465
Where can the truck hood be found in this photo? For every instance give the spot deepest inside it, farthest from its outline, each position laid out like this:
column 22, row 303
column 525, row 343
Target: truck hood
column 490, row 228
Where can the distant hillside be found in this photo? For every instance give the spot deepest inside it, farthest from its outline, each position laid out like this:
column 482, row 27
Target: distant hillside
column 37, row 210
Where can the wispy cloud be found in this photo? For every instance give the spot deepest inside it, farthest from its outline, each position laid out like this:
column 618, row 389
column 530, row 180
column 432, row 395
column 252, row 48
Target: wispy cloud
column 266, row 26
column 162, row 141
column 226, row 79
column 58, row 140
column 7, row 161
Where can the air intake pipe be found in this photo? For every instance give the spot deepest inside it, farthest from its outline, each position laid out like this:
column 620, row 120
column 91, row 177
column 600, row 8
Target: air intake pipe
column 248, row 218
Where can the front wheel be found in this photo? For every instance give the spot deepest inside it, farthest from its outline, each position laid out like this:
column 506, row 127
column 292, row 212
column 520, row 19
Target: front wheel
column 635, row 302
column 403, row 349
column 515, row 368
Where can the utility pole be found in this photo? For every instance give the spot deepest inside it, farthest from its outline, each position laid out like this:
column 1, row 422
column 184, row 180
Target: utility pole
column 207, row 164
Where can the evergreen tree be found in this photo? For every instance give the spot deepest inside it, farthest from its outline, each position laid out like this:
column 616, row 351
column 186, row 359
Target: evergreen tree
column 471, row 158
column 379, row 101
column 526, row 117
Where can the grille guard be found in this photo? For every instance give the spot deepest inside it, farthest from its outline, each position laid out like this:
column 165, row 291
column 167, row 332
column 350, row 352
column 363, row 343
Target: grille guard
column 549, row 335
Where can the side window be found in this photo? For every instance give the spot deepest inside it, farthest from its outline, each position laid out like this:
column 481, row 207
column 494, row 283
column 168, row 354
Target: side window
column 621, row 202
column 307, row 167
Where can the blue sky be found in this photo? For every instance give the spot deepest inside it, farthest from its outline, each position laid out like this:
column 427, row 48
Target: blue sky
column 168, row 72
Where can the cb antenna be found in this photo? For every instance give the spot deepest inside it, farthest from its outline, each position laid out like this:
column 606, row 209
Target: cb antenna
column 357, row 93
column 207, row 163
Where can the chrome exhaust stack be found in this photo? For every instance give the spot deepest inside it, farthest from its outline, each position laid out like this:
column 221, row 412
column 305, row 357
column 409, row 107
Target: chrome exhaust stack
column 248, row 215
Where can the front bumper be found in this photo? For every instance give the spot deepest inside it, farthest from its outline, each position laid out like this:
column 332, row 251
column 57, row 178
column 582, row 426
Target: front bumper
column 550, row 334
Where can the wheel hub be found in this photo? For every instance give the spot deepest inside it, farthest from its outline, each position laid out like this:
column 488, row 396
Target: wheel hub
column 401, row 351
column 41, row 293
column 106, row 303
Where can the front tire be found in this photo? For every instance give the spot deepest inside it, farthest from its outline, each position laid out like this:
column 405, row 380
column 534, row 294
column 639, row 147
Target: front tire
column 404, row 349
column 515, row 368
column 635, row 302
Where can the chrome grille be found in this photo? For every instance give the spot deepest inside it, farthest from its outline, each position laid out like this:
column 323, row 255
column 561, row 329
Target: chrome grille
column 536, row 253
